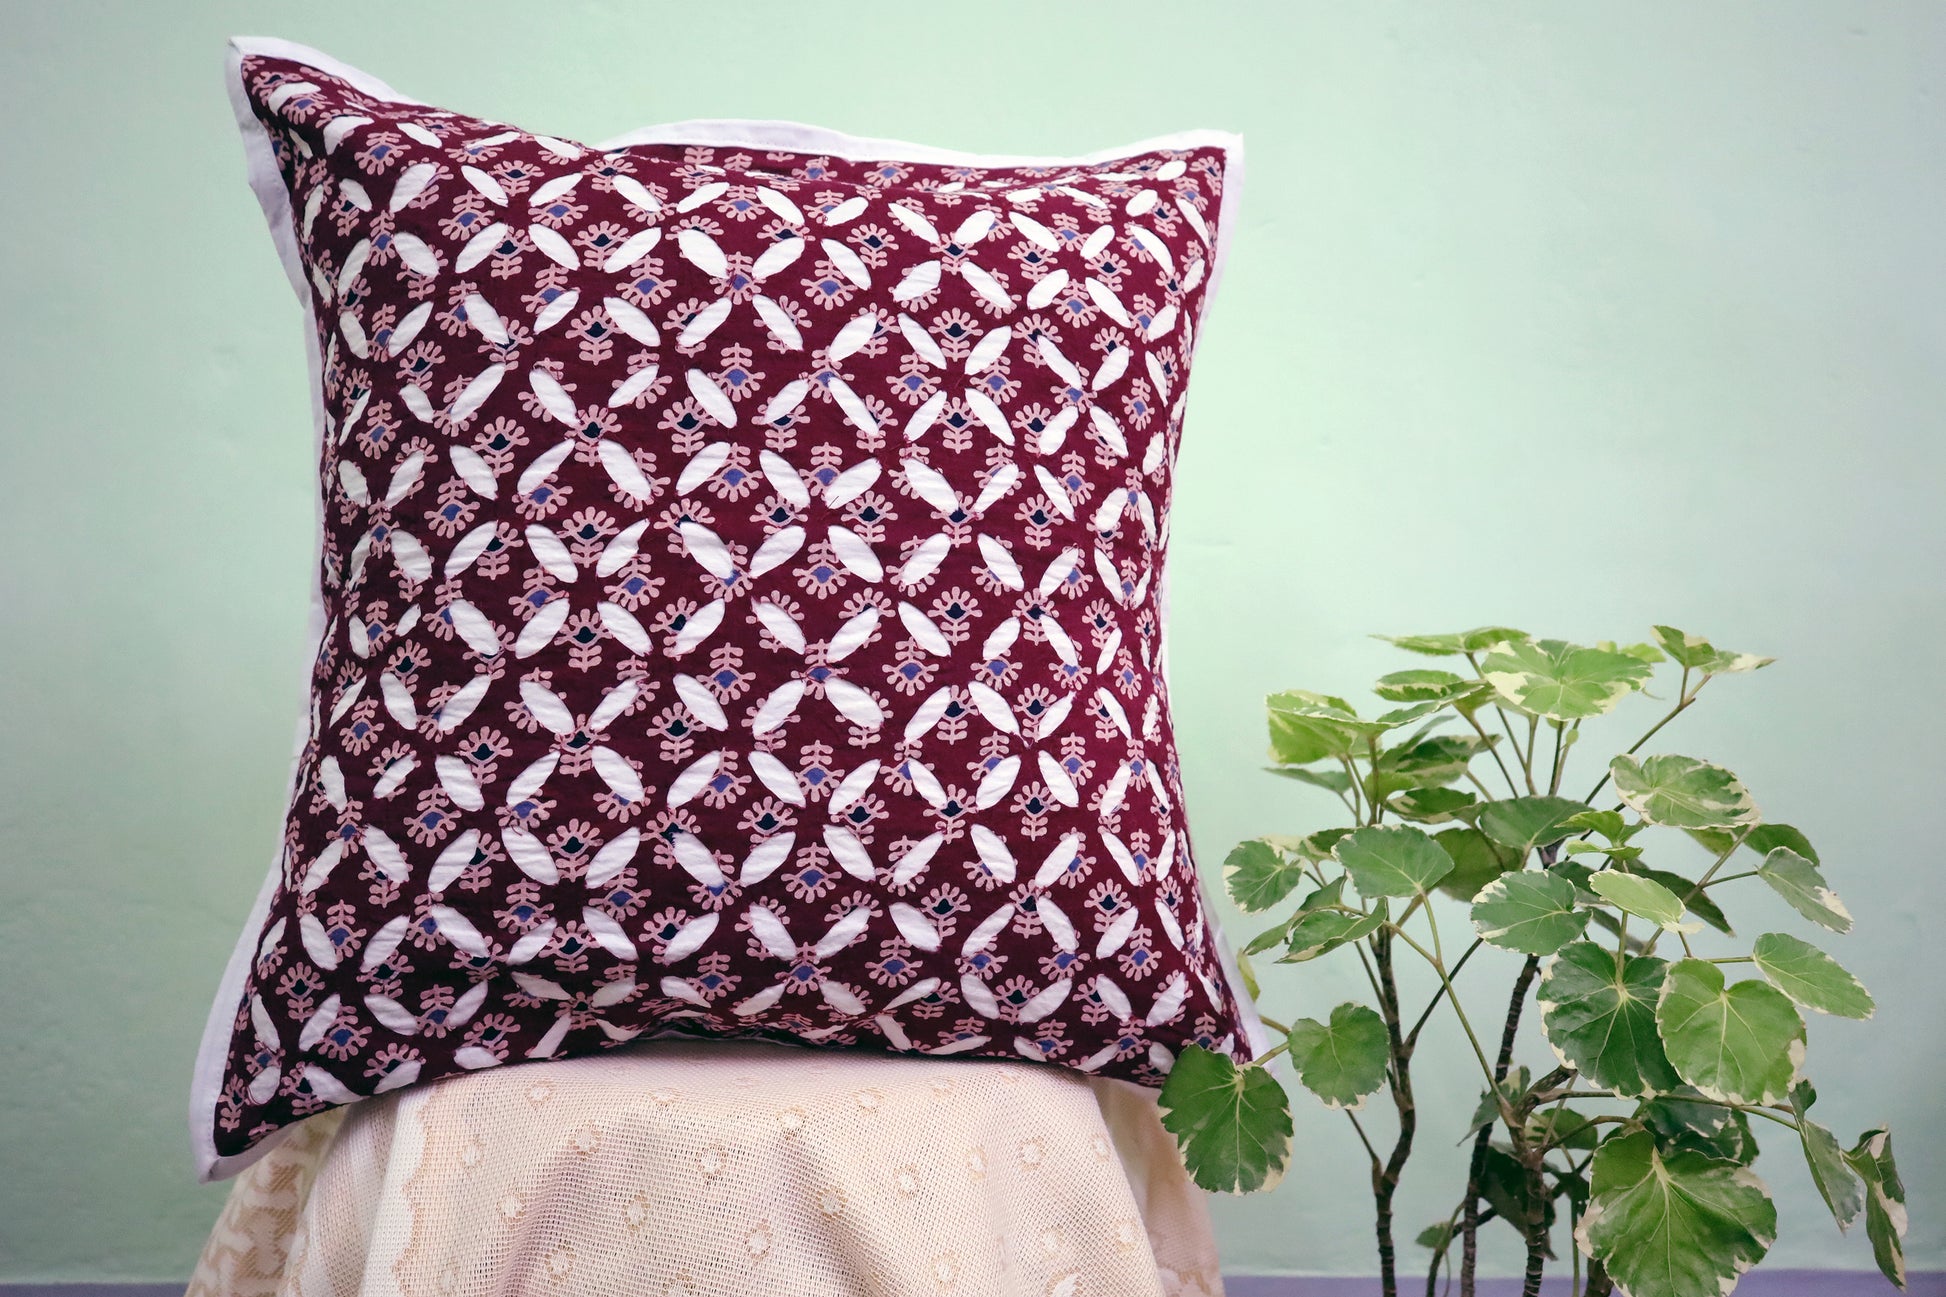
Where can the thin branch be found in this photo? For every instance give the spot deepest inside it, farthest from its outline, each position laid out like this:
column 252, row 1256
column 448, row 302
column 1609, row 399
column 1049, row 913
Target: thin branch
column 1445, row 978
column 1701, row 883
column 1493, row 749
column 1445, row 988
column 1686, row 700
column 1377, row 1161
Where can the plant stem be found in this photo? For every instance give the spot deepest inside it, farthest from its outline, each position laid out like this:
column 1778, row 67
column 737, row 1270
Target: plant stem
column 1685, row 699
column 1357, row 790
column 1371, row 975
column 1702, row 882
column 1470, row 1212
column 1385, row 1179
column 1505, row 720
column 1445, row 989
column 1494, row 751
column 1370, row 1152
column 1527, row 766
column 1446, row 982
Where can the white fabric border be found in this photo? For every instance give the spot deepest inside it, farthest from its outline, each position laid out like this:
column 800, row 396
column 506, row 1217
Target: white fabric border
column 268, row 184
column 206, row 1089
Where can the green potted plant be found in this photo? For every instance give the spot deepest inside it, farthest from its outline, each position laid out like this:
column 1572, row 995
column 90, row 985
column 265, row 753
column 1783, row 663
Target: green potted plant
column 1666, row 1042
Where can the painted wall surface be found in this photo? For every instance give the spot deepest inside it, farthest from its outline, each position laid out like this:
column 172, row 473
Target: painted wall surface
column 1569, row 315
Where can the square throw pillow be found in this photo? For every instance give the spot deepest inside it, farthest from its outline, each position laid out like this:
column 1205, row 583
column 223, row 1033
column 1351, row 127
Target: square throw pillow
column 739, row 600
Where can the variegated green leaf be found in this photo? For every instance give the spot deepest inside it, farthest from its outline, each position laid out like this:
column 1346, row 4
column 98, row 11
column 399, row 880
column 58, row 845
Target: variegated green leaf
column 1392, row 860
column 1698, row 654
column 1683, row 793
column 1798, row 881
column 1427, row 763
column 1685, row 1225
column 1422, row 686
column 1259, row 875
column 1562, row 681
column 1525, row 823
column 1598, row 1013
column 1232, row 1125
column 1469, row 641
column 1885, row 1214
column 1766, row 838
column 1643, row 897
column 1434, row 805
column 1306, row 727
column 1343, row 1061
column 1336, row 781
column 1679, row 1121
column 1738, row 1043
column 1476, row 862
column 1319, row 932
column 1530, row 911
column 1843, row 1192
column 1810, row 977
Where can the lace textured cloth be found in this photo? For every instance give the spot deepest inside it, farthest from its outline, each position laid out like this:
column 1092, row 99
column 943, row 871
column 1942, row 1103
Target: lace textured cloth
column 686, row 1169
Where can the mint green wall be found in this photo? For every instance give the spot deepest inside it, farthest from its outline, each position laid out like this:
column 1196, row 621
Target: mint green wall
column 1578, row 316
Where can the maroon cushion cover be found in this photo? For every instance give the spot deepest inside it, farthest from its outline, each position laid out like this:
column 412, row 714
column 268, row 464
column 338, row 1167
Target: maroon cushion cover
column 739, row 604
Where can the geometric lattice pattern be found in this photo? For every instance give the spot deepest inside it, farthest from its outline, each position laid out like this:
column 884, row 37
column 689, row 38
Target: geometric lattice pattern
column 740, row 577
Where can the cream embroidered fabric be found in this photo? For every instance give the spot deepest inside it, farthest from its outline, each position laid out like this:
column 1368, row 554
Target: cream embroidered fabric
column 682, row 1169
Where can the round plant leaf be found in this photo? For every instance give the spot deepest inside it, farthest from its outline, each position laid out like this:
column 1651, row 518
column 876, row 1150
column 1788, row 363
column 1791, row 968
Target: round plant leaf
column 1885, row 1214
column 1259, row 875
column 1392, row 860
column 1435, row 805
column 1525, row 823
column 1319, row 932
column 1609, row 824
column 1505, row 1186
column 1529, row 911
column 1422, row 686
column 1810, row 977
column 1562, row 681
column 1798, row 881
column 1739, row 1043
column 1423, row 763
column 1683, row 793
column 1307, row 727
column 1696, row 901
column 1599, row 1015
column 1333, row 781
column 1232, row 1125
column 1766, row 838
column 1272, row 936
column 1843, row 1192
column 1698, row 654
column 1681, row 1226
column 1476, row 862
column 1345, row 1061
column 1315, row 847
column 1699, row 1126
column 1487, row 1111
column 1562, row 1128
column 1468, row 641
column 1643, row 897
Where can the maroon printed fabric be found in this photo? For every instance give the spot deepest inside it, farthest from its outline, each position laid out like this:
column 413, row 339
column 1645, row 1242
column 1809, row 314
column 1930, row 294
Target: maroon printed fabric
column 740, row 580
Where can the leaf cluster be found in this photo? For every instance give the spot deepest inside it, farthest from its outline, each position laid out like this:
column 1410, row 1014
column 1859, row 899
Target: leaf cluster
column 1641, row 1127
